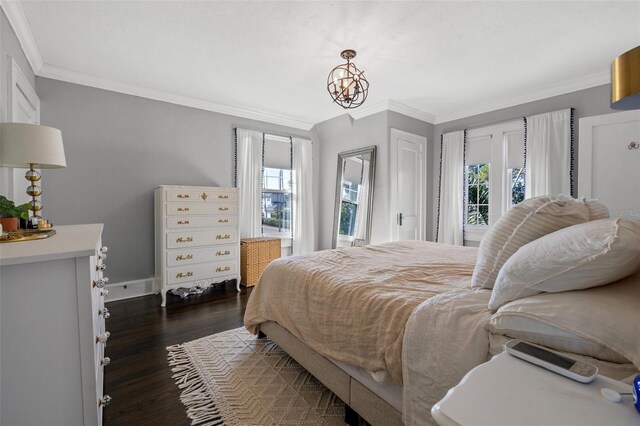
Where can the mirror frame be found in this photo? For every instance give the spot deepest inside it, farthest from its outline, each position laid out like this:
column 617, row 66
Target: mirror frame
column 342, row 156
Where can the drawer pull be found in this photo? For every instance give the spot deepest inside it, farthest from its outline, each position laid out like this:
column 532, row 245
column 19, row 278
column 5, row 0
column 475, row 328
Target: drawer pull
column 105, row 361
column 184, row 240
column 224, row 197
column 204, row 196
column 101, row 267
column 183, row 195
column 101, row 282
column 221, row 269
column 104, row 249
column 104, row 292
column 183, row 222
column 183, row 209
column 223, row 209
column 223, row 220
column 102, row 338
column 104, row 313
column 187, row 275
column 223, row 237
column 223, row 253
column 104, row 401
column 187, row 257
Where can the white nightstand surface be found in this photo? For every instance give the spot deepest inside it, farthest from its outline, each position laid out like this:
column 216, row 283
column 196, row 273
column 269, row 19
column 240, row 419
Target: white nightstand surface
column 509, row 391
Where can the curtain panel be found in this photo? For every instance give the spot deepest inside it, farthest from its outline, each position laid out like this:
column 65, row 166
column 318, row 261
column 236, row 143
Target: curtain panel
column 549, row 147
column 303, row 229
column 249, row 145
column 451, row 205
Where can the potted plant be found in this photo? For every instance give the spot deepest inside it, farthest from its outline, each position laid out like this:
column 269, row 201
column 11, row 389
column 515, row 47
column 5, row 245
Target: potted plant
column 10, row 214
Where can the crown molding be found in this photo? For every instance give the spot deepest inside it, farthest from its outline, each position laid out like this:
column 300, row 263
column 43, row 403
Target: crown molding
column 58, row 73
column 395, row 106
column 568, row 87
column 18, row 20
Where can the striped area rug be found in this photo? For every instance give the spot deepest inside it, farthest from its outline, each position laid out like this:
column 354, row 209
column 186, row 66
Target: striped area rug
column 234, row 378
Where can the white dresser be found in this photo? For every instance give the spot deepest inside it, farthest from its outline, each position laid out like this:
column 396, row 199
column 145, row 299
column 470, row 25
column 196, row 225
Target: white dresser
column 52, row 329
column 197, row 239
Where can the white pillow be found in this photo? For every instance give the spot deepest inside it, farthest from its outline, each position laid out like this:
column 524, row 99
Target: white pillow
column 523, row 223
column 513, row 321
column 607, row 316
column 581, row 256
column 597, row 210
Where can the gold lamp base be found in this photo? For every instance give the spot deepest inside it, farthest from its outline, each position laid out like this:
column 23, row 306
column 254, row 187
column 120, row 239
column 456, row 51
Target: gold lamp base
column 34, row 191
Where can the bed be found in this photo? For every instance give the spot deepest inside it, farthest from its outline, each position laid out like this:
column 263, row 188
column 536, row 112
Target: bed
column 388, row 328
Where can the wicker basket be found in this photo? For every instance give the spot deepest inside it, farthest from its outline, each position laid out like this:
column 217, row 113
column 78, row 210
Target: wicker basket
column 255, row 255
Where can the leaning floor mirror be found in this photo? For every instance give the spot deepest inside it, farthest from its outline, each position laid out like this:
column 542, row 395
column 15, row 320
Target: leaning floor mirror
column 354, row 197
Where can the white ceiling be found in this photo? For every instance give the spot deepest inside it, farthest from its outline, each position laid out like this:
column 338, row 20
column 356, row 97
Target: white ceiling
column 447, row 59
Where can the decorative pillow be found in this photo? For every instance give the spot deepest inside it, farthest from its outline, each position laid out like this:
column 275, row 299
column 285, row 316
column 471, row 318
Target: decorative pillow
column 509, row 321
column 523, row 223
column 597, row 210
column 582, row 256
column 607, row 317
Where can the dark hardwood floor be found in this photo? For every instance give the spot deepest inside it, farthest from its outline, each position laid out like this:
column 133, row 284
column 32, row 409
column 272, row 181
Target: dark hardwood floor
column 138, row 377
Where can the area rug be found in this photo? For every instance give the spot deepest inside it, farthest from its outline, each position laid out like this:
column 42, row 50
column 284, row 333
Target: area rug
column 234, row 378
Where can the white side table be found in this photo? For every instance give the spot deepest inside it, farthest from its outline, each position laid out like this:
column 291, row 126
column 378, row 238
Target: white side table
column 509, row 391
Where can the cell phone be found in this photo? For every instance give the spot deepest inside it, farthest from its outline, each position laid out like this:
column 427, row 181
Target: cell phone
column 560, row 364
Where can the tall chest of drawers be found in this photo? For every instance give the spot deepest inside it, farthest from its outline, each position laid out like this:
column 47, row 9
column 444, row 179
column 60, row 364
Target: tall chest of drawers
column 196, row 235
column 52, row 329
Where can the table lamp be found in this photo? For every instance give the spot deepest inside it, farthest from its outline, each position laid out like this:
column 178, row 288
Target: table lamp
column 33, row 146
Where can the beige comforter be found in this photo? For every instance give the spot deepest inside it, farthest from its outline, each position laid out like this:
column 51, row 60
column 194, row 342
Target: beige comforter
column 323, row 297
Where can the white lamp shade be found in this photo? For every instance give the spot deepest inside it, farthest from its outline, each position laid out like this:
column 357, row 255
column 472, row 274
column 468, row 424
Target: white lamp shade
column 25, row 144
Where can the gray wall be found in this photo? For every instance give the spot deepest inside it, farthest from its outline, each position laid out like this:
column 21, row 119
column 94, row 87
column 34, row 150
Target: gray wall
column 587, row 103
column 9, row 48
column 342, row 133
column 118, row 148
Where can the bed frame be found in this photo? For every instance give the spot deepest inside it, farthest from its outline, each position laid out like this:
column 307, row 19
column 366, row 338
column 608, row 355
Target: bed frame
column 360, row 401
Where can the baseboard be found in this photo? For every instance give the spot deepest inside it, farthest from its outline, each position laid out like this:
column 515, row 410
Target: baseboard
column 129, row 289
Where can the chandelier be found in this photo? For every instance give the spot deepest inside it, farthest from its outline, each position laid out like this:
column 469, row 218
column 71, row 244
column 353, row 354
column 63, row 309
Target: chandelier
column 346, row 83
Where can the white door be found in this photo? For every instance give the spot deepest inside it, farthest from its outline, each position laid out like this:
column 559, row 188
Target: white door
column 23, row 107
column 407, row 172
column 609, row 167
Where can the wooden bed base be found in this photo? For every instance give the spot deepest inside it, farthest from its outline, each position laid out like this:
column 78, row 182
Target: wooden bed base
column 357, row 397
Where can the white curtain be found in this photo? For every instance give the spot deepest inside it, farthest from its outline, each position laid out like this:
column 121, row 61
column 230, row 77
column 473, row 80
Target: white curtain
column 363, row 203
column 303, row 229
column 249, row 181
column 548, row 154
column 450, row 215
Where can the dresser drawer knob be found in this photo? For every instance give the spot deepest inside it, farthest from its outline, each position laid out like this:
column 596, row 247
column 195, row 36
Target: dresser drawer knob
column 223, row 237
column 183, row 222
column 183, row 209
column 187, row 257
column 101, row 282
column 104, row 313
column 223, row 220
column 105, row 361
column 104, row 249
column 184, row 240
column 101, row 267
column 102, row 338
column 225, row 269
column 104, row 401
column 223, row 196
column 223, row 209
column 223, row 253
column 204, row 196
column 104, row 292
column 184, row 275
column 183, row 195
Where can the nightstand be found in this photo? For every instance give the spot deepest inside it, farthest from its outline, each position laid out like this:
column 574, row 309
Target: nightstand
column 509, row 391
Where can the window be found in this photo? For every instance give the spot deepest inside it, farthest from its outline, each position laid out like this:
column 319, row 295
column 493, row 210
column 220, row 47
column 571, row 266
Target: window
column 349, row 208
column 276, row 203
column 478, row 194
column 495, row 174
